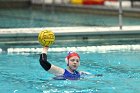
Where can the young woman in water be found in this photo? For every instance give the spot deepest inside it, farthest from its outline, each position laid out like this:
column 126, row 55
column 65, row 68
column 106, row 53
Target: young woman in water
column 71, row 73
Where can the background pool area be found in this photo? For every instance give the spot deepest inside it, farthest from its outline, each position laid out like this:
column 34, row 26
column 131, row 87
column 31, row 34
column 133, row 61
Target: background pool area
column 28, row 18
column 119, row 65
column 104, row 48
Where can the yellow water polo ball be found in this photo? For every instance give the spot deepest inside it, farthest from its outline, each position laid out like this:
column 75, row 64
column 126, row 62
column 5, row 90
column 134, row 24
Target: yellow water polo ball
column 46, row 37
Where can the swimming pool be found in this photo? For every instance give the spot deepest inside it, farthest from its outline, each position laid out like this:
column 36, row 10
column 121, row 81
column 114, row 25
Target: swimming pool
column 28, row 18
column 119, row 64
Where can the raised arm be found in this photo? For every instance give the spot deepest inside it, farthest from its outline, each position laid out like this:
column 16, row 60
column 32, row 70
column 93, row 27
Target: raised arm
column 48, row 66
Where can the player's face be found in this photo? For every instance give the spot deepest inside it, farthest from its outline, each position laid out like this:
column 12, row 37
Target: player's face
column 74, row 62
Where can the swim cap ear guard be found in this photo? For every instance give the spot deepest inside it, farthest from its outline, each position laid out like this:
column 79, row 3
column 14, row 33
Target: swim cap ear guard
column 71, row 54
column 66, row 60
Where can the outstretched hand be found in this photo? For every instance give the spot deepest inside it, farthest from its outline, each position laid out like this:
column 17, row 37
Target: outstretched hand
column 45, row 49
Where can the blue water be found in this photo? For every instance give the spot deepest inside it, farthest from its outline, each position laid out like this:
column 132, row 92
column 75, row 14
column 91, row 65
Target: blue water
column 20, row 72
column 27, row 18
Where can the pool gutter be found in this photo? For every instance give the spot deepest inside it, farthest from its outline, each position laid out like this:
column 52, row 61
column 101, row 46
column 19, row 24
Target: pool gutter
column 70, row 33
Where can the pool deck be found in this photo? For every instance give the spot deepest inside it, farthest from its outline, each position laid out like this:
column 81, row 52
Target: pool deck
column 68, row 33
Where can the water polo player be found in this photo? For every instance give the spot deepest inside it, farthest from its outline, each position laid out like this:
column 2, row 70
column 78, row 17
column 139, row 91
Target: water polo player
column 72, row 60
column 46, row 38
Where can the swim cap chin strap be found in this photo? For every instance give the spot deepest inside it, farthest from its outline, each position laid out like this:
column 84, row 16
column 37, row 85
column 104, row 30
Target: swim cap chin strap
column 71, row 54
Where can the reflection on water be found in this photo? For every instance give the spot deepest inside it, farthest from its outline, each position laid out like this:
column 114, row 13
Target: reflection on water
column 27, row 18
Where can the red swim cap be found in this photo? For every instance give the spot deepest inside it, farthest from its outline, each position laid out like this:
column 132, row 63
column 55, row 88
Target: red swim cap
column 71, row 54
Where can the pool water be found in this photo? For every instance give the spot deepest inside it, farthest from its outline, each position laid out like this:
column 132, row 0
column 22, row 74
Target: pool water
column 27, row 18
column 20, row 72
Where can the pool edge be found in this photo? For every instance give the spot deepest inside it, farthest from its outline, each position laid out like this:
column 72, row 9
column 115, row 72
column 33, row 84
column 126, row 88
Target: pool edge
column 68, row 33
